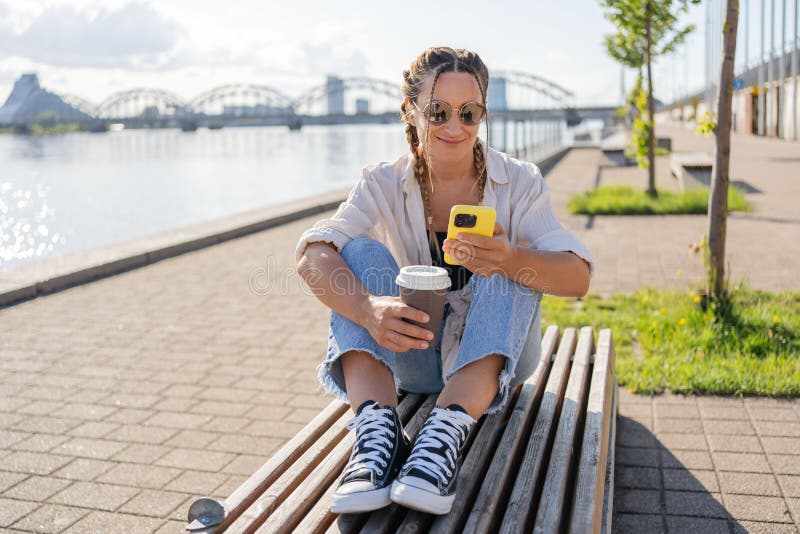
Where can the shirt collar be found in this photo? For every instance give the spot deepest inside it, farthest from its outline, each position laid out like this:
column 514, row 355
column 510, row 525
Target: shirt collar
column 494, row 168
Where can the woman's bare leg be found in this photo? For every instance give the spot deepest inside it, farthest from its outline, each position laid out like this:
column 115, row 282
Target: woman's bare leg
column 474, row 386
column 367, row 379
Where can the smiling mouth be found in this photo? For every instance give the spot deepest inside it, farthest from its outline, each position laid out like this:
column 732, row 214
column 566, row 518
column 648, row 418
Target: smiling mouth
column 449, row 142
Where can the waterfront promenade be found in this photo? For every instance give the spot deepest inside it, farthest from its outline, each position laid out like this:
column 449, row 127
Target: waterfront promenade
column 123, row 400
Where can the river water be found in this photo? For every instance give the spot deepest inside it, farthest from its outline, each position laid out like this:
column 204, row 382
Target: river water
column 66, row 193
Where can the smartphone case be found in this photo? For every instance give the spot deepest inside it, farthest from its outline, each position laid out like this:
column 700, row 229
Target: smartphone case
column 484, row 225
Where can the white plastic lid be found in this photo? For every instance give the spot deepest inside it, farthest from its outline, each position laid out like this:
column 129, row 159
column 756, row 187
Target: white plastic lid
column 423, row 277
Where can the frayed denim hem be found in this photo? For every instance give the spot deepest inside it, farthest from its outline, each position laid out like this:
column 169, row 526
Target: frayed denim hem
column 330, row 385
column 502, row 393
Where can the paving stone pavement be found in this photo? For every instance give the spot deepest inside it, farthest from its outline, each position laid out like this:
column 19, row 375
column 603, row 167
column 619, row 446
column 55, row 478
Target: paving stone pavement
column 123, row 400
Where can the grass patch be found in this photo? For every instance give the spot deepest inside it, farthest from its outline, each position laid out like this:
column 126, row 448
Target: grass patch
column 625, row 200
column 666, row 342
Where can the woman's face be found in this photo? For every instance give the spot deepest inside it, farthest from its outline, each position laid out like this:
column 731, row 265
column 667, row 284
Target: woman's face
column 452, row 141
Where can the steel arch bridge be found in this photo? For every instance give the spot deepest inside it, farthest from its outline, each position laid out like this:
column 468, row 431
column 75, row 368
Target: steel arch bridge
column 141, row 101
column 238, row 97
column 556, row 93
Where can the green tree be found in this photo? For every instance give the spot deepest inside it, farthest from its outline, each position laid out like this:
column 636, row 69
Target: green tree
column 646, row 29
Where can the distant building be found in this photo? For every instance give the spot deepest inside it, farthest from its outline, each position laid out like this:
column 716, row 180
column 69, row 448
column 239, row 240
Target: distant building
column 497, row 94
column 335, row 86
column 28, row 101
column 362, row 106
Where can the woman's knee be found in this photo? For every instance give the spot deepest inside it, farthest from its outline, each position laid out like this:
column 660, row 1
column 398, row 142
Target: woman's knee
column 373, row 265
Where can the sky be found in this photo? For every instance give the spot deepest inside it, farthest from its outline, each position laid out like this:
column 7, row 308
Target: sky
column 93, row 48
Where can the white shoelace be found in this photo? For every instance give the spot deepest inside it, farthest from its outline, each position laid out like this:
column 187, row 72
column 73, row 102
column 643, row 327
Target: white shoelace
column 371, row 421
column 435, row 434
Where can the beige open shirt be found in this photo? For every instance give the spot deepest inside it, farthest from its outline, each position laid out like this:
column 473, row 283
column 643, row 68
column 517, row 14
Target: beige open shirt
column 386, row 205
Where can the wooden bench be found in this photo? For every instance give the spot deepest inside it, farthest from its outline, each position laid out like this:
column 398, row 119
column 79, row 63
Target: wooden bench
column 545, row 462
column 692, row 169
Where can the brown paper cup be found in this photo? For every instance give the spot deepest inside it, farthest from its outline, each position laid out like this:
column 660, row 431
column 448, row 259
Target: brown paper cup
column 424, row 287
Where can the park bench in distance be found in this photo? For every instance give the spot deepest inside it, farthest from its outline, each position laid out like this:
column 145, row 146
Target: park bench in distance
column 692, row 169
column 546, row 461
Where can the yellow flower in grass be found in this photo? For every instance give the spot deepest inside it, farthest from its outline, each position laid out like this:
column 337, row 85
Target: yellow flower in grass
column 662, row 310
column 697, row 298
column 681, row 321
column 776, row 319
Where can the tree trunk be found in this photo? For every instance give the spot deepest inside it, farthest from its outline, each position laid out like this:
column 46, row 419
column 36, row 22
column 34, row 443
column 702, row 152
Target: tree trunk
column 718, row 198
column 651, row 138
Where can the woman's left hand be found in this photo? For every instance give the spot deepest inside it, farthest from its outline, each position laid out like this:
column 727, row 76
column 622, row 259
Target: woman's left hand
column 482, row 255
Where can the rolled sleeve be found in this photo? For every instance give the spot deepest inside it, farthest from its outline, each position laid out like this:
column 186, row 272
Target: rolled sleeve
column 354, row 218
column 538, row 226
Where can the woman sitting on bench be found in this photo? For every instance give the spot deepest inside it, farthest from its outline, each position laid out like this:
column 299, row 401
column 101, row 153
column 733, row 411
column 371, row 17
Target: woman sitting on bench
column 491, row 334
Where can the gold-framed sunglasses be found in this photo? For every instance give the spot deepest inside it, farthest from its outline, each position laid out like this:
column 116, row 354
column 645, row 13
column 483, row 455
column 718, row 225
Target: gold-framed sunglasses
column 438, row 112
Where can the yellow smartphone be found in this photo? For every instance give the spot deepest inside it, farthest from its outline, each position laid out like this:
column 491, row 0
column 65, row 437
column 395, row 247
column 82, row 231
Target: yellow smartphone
column 469, row 220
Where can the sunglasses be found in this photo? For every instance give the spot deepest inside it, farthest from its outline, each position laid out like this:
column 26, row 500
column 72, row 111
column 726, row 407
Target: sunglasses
column 438, row 112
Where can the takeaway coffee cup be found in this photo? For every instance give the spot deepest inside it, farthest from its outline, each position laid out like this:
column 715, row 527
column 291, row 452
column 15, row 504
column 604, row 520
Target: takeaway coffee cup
column 424, row 287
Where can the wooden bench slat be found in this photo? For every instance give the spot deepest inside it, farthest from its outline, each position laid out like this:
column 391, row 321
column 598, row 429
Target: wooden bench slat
column 555, row 494
column 524, row 494
column 496, row 483
column 320, row 518
column 292, row 510
column 474, row 465
column 608, row 494
column 258, row 482
column 312, row 460
column 587, row 504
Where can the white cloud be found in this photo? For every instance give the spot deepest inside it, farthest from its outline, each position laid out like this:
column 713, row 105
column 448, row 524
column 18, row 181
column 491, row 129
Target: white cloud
column 133, row 36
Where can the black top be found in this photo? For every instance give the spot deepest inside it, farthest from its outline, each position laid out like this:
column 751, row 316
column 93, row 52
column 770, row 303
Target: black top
column 459, row 275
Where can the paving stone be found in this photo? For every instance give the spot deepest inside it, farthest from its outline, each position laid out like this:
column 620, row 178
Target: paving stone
column 636, row 477
column 8, row 479
column 773, row 414
column 686, row 459
column 723, row 412
column 752, row 527
column 794, row 507
column 726, row 443
column 636, row 456
column 670, row 426
column 36, row 488
column 50, row 518
column 11, row 510
column 200, row 460
column 683, row 441
column 130, row 416
column 138, row 475
column 636, row 523
column 99, row 449
column 84, row 469
column 690, row 480
column 697, row 524
column 781, row 445
column 153, row 503
column 777, row 428
column 757, row 508
column 93, row 429
column 177, row 420
column 734, row 428
column 246, row 464
column 35, row 463
column 46, row 425
column 748, row 483
column 142, row 434
column 87, row 412
column 227, row 425
column 98, row 521
column 790, row 485
column 785, row 464
column 98, row 496
column 741, row 462
column 636, row 501
column 692, row 503
column 39, row 443
column 675, row 411
column 197, row 482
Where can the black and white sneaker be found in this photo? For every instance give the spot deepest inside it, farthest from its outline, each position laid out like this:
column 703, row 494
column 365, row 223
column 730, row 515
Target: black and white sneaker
column 427, row 481
column 380, row 449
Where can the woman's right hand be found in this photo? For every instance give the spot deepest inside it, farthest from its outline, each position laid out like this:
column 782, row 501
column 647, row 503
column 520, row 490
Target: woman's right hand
column 384, row 322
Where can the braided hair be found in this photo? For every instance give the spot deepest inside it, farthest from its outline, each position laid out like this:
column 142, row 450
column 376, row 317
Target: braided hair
column 438, row 60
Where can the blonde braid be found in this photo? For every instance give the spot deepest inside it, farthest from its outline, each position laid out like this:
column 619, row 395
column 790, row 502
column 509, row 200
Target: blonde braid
column 480, row 169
